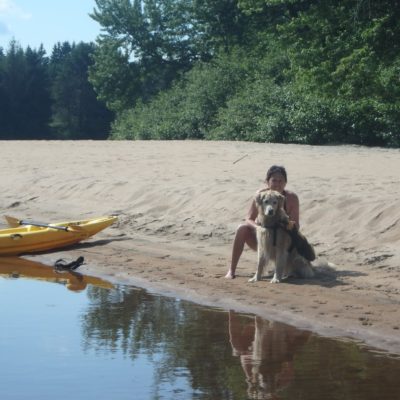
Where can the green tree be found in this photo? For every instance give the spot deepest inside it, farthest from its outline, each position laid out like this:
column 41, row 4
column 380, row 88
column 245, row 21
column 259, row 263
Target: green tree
column 24, row 94
column 147, row 44
column 316, row 71
column 77, row 114
column 220, row 24
column 143, row 47
column 37, row 94
column 116, row 80
column 188, row 109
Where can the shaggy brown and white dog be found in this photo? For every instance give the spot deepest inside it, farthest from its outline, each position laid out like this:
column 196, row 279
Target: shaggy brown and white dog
column 274, row 241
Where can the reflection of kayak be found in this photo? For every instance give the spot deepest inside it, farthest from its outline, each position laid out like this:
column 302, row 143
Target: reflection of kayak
column 14, row 267
column 39, row 237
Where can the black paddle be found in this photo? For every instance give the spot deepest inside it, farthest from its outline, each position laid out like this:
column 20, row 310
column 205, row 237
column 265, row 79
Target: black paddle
column 14, row 222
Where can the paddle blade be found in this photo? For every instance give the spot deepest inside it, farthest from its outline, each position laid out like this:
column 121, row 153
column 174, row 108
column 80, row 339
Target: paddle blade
column 11, row 221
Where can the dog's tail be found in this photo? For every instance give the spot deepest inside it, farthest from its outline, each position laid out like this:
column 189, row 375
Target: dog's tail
column 324, row 268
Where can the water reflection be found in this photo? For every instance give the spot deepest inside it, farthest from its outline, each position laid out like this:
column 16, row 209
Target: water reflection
column 227, row 355
column 127, row 343
column 266, row 351
column 15, row 267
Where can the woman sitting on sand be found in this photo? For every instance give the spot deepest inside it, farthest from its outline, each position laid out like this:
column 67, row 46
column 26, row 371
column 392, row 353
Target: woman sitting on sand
column 246, row 233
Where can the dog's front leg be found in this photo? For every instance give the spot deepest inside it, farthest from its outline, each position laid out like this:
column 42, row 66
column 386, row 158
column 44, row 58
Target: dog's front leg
column 281, row 261
column 263, row 257
column 262, row 262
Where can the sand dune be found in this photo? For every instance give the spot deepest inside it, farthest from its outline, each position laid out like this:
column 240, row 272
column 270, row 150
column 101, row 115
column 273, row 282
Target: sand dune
column 180, row 202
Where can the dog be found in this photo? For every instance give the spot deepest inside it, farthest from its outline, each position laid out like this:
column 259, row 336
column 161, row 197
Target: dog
column 274, row 241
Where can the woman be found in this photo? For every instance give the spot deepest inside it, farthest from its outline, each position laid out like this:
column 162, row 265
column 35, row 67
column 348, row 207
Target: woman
column 276, row 179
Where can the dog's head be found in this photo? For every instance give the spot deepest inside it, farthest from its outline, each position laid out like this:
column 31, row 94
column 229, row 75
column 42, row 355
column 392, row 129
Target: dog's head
column 269, row 202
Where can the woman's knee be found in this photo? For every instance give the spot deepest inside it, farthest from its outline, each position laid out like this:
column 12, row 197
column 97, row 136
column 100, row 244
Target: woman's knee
column 246, row 234
column 243, row 230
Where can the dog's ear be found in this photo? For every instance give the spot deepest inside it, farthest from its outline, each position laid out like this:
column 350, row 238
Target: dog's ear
column 257, row 199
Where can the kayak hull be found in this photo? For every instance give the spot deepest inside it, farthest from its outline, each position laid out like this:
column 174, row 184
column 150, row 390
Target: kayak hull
column 32, row 239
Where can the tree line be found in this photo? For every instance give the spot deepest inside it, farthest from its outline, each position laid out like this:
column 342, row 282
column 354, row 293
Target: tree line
column 289, row 71
column 50, row 97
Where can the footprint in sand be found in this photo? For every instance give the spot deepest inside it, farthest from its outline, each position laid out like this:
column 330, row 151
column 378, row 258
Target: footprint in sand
column 15, row 204
column 365, row 321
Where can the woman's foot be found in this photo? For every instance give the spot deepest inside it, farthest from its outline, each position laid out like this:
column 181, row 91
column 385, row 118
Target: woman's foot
column 230, row 275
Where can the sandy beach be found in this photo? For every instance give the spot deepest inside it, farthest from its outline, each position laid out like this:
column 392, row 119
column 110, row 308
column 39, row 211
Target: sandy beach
column 179, row 204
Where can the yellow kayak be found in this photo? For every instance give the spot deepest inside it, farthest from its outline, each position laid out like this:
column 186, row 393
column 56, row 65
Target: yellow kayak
column 29, row 237
column 15, row 267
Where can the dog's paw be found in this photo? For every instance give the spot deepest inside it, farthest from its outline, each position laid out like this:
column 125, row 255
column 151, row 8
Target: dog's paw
column 261, row 229
column 253, row 279
column 275, row 280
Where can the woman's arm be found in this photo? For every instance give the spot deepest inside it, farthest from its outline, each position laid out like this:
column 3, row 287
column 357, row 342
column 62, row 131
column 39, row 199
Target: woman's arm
column 252, row 214
column 293, row 207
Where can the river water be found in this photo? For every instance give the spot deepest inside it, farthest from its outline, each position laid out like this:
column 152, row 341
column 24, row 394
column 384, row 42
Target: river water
column 66, row 336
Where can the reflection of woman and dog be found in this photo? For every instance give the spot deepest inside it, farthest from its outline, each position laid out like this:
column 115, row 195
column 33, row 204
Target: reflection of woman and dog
column 266, row 350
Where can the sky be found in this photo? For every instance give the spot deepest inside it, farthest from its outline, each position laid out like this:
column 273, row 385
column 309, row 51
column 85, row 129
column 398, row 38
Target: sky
column 35, row 22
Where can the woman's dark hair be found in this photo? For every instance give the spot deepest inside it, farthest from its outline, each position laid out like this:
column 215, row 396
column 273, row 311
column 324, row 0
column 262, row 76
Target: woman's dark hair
column 276, row 169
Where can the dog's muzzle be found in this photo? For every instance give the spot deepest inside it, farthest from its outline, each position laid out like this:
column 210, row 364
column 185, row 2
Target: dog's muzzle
column 269, row 210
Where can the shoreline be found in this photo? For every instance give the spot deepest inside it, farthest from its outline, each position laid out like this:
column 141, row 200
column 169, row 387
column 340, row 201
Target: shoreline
column 330, row 310
column 179, row 203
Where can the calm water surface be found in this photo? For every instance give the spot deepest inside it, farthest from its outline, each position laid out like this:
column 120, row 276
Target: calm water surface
column 126, row 343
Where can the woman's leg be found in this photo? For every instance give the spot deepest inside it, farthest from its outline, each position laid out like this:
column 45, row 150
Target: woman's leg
column 245, row 233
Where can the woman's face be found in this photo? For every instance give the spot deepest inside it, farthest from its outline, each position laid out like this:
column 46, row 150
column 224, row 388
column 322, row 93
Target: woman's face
column 277, row 182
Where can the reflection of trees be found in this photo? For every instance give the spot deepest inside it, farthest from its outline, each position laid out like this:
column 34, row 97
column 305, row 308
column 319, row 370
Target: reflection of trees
column 262, row 359
column 129, row 319
column 189, row 339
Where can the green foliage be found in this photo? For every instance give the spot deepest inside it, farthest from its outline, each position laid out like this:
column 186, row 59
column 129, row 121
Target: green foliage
column 188, row 109
column 76, row 112
column 219, row 24
column 42, row 98
column 144, row 46
column 148, row 44
column 311, row 72
column 253, row 114
column 291, row 71
column 267, row 112
column 24, row 93
column 117, row 83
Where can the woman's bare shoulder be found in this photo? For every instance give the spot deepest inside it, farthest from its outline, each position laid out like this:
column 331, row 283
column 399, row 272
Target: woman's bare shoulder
column 289, row 193
column 292, row 200
column 261, row 190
